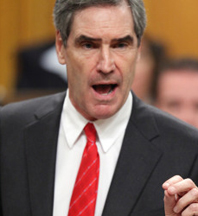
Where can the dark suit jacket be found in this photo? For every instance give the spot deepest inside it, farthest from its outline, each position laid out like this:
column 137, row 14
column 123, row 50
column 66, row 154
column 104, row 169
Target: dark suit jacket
column 155, row 147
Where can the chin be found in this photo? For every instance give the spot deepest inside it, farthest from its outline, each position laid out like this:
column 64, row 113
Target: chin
column 104, row 114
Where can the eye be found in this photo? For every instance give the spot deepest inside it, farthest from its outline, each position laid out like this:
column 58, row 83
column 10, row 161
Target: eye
column 120, row 45
column 89, row 45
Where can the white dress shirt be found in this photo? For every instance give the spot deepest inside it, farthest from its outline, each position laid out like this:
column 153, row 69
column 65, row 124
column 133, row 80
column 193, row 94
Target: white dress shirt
column 71, row 143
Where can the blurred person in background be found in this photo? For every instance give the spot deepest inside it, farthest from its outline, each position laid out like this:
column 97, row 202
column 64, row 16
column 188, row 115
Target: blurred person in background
column 38, row 68
column 152, row 55
column 38, row 72
column 177, row 89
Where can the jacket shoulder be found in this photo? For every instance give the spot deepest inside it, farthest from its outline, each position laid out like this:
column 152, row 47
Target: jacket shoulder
column 148, row 118
column 28, row 110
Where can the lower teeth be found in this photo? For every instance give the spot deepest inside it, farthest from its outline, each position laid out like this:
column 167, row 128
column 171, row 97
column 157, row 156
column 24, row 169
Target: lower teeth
column 108, row 92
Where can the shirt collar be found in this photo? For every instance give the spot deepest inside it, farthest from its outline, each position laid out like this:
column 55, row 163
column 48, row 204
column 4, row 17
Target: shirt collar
column 108, row 130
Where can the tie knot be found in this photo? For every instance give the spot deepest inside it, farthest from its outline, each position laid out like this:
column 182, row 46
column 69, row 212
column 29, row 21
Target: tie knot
column 90, row 132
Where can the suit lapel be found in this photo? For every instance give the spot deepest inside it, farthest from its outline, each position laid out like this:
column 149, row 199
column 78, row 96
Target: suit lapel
column 137, row 160
column 41, row 144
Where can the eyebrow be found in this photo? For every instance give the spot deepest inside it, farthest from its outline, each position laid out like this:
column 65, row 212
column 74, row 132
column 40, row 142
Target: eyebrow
column 127, row 38
column 81, row 38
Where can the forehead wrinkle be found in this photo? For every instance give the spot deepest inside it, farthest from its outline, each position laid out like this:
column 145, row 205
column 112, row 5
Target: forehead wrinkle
column 108, row 27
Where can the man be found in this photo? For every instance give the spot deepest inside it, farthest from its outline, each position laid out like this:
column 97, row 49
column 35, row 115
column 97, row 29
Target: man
column 137, row 147
column 176, row 89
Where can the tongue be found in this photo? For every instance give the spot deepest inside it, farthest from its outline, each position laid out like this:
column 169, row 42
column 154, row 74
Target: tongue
column 103, row 89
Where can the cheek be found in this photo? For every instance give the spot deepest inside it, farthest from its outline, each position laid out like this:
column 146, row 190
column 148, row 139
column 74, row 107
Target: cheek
column 83, row 62
column 78, row 77
column 130, row 70
column 74, row 67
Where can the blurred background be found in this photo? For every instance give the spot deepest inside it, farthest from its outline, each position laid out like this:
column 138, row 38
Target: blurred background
column 28, row 65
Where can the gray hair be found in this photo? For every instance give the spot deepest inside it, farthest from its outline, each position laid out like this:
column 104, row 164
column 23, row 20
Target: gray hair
column 64, row 11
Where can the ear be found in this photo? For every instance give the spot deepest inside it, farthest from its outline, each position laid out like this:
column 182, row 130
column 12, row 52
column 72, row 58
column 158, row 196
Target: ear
column 60, row 49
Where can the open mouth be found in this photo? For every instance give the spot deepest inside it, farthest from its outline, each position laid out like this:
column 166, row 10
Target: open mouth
column 104, row 89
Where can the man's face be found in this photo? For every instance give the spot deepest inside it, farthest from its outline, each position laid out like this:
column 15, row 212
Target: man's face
column 177, row 94
column 101, row 53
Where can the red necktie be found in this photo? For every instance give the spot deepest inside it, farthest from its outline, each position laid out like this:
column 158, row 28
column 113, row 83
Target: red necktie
column 85, row 190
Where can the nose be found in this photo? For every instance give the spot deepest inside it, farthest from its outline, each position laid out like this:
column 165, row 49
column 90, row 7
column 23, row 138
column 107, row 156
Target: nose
column 106, row 62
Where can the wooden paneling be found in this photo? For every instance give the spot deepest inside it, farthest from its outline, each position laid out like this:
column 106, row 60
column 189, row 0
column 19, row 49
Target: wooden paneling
column 36, row 23
column 9, row 37
column 22, row 23
column 175, row 23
